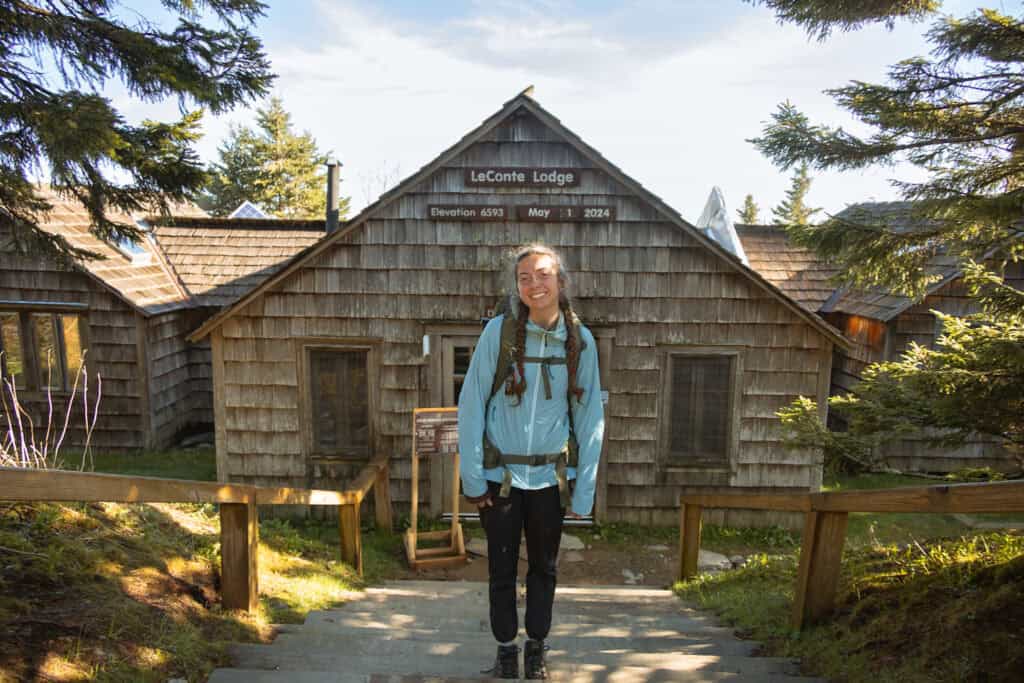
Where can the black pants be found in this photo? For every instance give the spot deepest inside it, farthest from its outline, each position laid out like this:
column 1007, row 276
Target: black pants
column 540, row 514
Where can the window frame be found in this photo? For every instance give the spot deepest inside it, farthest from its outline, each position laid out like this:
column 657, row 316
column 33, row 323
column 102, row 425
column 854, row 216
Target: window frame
column 33, row 367
column 305, row 348
column 668, row 355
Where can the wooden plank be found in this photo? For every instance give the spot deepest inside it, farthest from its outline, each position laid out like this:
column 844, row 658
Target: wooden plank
column 803, row 569
column 689, row 540
column 143, row 377
column 768, row 501
column 821, row 553
column 351, row 540
column 1002, row 496
column 55, row 485
column 219, row 402
column 438, row 562
column 239, row 541
column 289, row 496
column 382, row 499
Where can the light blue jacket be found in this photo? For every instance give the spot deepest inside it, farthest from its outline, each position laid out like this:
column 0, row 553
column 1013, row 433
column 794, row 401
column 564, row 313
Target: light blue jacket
column 537, row 425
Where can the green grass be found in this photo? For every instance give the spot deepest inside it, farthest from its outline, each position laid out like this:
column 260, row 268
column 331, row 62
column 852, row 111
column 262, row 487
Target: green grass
column 199, row 464
column 113, row 592
column 899, row 611
column 911, row 585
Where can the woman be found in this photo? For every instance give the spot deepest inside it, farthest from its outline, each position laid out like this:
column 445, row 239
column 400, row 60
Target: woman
column 530, row 420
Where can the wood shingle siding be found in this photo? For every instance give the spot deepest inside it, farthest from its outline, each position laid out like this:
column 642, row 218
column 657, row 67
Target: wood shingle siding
column 647, row 281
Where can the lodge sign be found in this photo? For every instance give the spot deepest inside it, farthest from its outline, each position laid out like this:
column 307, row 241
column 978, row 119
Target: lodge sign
column 530, row 213
column 522, row 177
column 460, row 212
column 535, row 213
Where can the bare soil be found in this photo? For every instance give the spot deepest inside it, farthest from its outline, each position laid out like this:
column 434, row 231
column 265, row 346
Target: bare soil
column 598, row 564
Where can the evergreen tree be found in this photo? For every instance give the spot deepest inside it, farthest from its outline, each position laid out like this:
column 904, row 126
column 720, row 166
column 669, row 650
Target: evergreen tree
column 272, row 166
column 959, row 115
column 749, row 213
column 57, row 120
column 794, row 210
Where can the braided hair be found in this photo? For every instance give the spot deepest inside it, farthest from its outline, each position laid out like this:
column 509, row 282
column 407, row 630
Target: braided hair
column 515, row 385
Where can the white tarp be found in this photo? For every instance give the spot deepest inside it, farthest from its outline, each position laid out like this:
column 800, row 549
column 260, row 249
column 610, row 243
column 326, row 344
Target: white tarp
column 716, row 224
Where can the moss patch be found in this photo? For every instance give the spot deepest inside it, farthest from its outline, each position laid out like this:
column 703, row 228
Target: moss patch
column 945, row 610
column 114, row 592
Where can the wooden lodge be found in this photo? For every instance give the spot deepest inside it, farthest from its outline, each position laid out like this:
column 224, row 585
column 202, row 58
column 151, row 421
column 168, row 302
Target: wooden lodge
column 321, row 365
column 879, row 325
column 126, row 315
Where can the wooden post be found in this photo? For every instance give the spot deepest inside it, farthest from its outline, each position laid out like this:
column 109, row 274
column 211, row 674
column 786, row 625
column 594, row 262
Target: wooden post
column 821, row 552
column 382, row 499
column 239, row 541
column 456, row 542
column 351, row 543
column 689, row 540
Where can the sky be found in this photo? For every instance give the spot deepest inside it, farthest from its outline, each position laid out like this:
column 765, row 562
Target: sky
column 668, row 91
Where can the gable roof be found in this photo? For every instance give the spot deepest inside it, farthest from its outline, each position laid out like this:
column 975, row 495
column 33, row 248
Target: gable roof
column 877, row 303
column 523, row 101
column 148, row 284
column 220, row 260
column 798, row 272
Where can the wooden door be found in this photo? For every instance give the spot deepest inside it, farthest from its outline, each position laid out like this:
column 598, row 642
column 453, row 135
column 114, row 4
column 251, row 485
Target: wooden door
column 456, row 350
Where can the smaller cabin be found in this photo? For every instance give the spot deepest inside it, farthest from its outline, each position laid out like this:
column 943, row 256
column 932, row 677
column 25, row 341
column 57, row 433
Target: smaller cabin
column 879, row 325
column 125, row 316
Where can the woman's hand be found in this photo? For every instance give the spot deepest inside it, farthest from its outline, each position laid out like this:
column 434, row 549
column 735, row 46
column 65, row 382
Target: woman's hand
column 481, row 501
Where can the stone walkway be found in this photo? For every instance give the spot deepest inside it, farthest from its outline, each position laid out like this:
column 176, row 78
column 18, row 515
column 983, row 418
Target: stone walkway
column 434, row 632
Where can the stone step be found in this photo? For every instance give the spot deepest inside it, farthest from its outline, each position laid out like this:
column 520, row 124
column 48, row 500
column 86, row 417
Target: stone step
column 463, row 661
column 563, row 624
column 457, row 588
column 461, row 591
column 581, row 648
column 595, row 675
column 595, row 613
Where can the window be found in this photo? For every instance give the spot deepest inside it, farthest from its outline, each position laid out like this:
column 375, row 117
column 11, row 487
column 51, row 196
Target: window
column 699, row 416
column 340, row 401
column 13, row 365
column 41, row 350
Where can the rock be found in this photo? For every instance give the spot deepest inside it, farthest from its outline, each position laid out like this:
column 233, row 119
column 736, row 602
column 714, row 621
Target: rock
column 711, row 561
column 657, row 548
column 571, row 556
column 631, row 579
column 571, row 543
column 737, row 561
column 477, row 546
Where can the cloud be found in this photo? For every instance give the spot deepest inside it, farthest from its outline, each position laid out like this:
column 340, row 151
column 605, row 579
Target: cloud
column 673, row 107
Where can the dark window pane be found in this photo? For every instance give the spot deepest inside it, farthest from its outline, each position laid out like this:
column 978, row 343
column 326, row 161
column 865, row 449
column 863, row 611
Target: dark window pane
column 72, row 347
column 10, row 343
column 48, row 351
column 462, row 357
column 699, row 410
column 341, row 408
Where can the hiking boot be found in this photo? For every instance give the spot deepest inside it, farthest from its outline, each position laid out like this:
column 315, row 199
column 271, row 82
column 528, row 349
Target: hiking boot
column 533, row 660
column 506, row 664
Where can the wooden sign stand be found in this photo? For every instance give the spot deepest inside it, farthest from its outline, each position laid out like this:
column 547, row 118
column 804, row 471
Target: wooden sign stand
column 435, row 433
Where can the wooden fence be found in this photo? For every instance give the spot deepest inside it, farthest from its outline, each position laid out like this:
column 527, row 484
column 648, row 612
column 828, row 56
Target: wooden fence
column 239, row 529
column 824, row 534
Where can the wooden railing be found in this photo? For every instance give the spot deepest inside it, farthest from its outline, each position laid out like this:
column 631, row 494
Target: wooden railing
column 824, row 533
column 239, row 529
